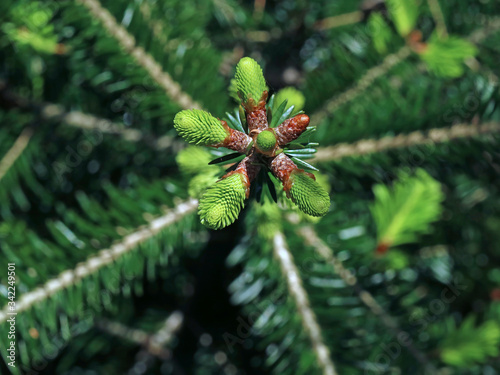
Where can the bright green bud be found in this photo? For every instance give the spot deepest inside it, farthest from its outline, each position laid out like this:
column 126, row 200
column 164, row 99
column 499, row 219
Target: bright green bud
column 222, row 202
column 249, row 79
column 322, row 180
column 294, row 97
column 193, row 159
column 199, row 127
column 308, row 195
column 266, row 141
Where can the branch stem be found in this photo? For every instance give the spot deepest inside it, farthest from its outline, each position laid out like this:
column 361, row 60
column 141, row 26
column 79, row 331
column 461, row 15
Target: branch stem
column 101, row 259
column 416, row 138
column 301, row 300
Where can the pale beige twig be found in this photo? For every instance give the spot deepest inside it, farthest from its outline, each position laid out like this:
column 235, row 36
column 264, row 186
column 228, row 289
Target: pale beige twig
column 312, row 239
column 361, row 85
column 390, row 61
column 15, row 151
column 437, row 14
column 142, row 58
column 101, row 259
column 153, row 343
column 301, row 300
column 339, row 20
column 433, row 136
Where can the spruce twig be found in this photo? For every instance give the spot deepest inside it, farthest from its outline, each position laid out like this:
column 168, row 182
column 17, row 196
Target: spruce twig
column 84, row 121
column 383, row 68
column 154, row 343
column 301, row 300
column 339, row 20
column 101, row 259
column 437, row 14
column 416, row 138
column 15, row 151
column 361, row 85
column 144, row 59
column 311, row 238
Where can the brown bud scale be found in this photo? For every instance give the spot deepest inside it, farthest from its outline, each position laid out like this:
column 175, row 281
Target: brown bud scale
column 236, row 140
column 291, row 129
column 256, row 114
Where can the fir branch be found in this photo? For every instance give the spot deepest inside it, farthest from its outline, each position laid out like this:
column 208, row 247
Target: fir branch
column 492, row 26
column 363, row 83
column 311, row 238
column 299, row 295
column 339, row 20
column 387, row 64
column 433, row 136
column 154, row 344
column 15, row 151
column 145, row 60
column 166, row 333
column 85, row 121
column 437, row 14
column 157, row 27
column 137, row 336
column 102, row 259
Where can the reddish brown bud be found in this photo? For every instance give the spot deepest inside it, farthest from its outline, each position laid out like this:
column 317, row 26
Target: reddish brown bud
column 291, row 129
column 236, row 140
column 256, row 114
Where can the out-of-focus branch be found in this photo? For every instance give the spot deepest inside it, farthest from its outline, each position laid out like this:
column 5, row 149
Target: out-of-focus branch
column 311, row 238
column 155, row 344
column 103, row 258
column 142, row 58
column 363, row 83
column 339, row 20
column 433, row 136
column 15, row 151
column 437, row 14
column 299, row 295
column 84, row 121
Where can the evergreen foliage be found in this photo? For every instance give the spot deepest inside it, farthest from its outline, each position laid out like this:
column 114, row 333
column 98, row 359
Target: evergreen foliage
column 100, row 197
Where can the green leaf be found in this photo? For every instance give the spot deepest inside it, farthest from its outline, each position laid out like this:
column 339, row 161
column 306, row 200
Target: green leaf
column 303, row 164
column 305, row 153
column 277, row 114
column 227, row 157
column 271, row 187
column 406, row 210
column 404, row 14
column 234, row 122
column 468, row 345
column 304, row 137
column 285, row 115
column 445, row 57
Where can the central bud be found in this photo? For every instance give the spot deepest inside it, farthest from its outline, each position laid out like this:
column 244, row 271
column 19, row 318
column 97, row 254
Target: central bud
column 266, row 142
